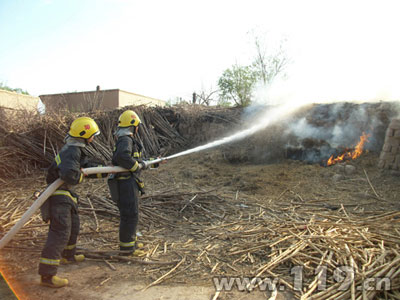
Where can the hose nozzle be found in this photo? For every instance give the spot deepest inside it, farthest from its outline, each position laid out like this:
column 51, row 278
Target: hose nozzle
column 150, row 162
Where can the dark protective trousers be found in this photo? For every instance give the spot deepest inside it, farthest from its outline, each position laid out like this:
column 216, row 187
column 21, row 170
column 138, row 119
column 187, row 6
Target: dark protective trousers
column 62, row 236
column 128, row 205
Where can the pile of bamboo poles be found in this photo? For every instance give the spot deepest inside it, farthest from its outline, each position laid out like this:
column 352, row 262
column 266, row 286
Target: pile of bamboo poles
column 195, row 235
column 160, row 209
column 32, row 142
column 341, row 256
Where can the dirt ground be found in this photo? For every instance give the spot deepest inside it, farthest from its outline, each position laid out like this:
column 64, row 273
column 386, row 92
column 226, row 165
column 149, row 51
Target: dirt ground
column 239, row 191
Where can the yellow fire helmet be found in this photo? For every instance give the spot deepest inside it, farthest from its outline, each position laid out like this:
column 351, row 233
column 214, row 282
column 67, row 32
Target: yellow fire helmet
column 128, row 118
column 84, row 127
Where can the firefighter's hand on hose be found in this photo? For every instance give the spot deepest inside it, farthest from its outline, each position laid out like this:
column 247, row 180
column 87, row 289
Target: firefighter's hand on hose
column 143, row 165
column 156, row 165
column 84, row 174
column 112, row 172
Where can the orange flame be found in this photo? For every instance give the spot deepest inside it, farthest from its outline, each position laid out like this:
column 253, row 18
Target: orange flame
column 358, row 150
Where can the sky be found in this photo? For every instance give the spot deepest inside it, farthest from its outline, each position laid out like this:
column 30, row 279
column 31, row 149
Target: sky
column 338, row 50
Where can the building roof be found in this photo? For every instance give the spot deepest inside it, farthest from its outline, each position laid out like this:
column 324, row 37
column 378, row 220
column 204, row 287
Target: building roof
column 111, row 90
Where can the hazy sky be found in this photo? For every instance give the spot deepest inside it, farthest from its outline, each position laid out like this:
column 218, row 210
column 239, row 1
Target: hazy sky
column 166, row 49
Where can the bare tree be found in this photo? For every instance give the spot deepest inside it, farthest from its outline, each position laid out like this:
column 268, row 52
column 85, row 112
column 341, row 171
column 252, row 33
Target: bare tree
column 207, row 97
column 269, row 64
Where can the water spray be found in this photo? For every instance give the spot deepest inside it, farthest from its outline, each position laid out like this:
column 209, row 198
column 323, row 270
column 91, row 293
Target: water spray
column 270, row 117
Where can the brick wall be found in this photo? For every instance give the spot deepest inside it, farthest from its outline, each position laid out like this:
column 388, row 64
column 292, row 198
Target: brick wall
column 390, row 155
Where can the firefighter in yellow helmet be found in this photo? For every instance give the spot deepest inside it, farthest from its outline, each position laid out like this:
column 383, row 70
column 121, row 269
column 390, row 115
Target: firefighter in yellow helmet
column 61, row 209
column 125, row 187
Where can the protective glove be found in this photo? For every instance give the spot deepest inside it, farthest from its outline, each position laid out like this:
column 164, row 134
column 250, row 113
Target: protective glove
column 154, row 166
column 143, row 165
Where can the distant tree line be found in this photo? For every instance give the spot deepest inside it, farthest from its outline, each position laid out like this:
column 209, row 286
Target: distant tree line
column 237, row 83
column 16, row 90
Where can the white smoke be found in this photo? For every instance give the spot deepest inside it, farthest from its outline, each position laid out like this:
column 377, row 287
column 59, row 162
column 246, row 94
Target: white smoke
column 302, row 129
column 266, row 118
column 340, row 126
column 276, row 103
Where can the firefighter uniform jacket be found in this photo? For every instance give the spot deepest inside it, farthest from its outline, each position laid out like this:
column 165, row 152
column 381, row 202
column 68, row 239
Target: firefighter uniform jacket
column 62, row 206
column 67, row 166
column 127, row 154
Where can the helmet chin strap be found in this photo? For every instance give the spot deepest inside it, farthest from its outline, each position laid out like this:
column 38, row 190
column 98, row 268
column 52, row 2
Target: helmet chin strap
column 132, row 130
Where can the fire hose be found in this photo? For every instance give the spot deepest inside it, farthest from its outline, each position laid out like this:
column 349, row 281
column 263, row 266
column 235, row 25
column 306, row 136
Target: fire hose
column 54, row 186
